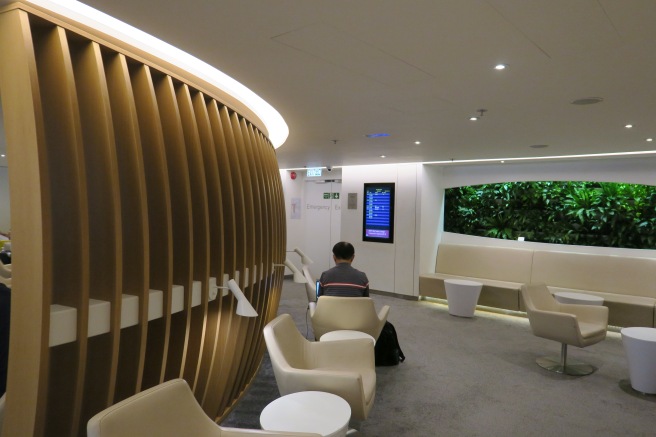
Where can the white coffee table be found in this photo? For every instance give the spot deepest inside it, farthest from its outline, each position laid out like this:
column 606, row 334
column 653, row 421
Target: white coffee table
column 578, row 298
column 640, row 348
column 462, row 296
column 308, row 411
column 345, row 334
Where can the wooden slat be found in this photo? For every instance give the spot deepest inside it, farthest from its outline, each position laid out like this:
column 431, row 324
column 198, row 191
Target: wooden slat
column 68, row 211
column 25, row 408
column 105, row 268
column 200, row 231
column 267, row 224
column 216, row 387
column 234, row 347
column 280, row 233
column 248, row 244
column 159, row 219
column 134, row 219
column 259, row 219
column 215, row 240
column 178, row 172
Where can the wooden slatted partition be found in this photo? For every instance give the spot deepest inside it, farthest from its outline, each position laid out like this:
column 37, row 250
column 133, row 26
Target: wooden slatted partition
column 134, row 227
column 218, row 380
column 200, row 233
column 159, row 225
column 136, row 192
column 105, row 268
column 215, row 242
column 67, row 222
column 238, row 326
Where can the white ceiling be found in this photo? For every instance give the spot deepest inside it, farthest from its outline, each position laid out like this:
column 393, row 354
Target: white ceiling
column 418, row 69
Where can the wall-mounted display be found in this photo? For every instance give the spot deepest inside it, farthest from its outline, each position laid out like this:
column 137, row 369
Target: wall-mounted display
column 378, row 216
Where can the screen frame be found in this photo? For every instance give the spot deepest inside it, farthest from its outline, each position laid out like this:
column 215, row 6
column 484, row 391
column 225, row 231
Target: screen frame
column 369, row 186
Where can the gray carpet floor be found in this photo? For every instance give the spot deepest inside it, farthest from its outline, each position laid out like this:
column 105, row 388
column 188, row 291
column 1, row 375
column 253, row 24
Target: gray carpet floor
column 477, row 377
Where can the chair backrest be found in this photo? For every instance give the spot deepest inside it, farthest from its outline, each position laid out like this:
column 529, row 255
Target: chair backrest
column 334, row 313
column 285, row 343
column 166, row 410
column 537, row 297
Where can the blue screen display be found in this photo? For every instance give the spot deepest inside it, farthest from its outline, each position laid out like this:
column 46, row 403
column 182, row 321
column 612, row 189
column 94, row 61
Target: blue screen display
column 378, row 223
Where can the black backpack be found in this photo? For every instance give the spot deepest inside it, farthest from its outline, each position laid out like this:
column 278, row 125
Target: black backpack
column 387, row 349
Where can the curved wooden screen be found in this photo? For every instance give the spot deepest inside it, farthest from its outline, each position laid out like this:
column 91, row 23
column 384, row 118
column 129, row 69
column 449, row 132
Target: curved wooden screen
column 135, row 193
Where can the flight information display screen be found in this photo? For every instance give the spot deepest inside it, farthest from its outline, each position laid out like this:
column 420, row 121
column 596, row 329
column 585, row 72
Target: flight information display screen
column 378, row 220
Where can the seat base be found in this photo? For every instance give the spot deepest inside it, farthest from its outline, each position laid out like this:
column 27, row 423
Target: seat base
column 553, row 364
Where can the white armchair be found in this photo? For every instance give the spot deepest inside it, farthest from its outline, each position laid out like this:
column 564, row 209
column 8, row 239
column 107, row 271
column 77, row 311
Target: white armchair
column 345, row 368
column 333, row 313
column 578, row 325
column 166, row 410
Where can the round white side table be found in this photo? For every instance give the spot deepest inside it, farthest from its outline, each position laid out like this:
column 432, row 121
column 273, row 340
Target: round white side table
column 345, row 334
column 308, row 411
column 578, row 298
column 640, row 348
column 462, row 296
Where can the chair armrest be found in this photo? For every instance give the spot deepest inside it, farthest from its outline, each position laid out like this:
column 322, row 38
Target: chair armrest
column 347, row 384
column 382, row 318
column 344, row 354
column 382, row 314
column 595, row 314
column 240, row 432
column 553, row 325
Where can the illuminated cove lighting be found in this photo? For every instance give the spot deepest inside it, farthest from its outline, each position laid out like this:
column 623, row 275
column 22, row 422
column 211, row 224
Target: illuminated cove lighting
column 88, row 16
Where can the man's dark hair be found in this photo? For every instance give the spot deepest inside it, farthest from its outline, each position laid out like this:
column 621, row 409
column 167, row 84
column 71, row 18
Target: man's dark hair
column 343, row 250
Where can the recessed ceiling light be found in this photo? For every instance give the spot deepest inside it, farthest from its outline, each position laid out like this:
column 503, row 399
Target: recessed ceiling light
column 378, row 135
column 503, row 162
column 648, row 139
column 473, row 118
column 3, row 155
column 383, row 156
column 417, row 142
column 587, row 101
column 628, row 126
column 538, row 146
column 501, row 66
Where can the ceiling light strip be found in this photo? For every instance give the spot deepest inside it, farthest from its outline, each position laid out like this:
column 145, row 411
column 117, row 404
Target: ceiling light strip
column 497, row 160
column 544, row 158
column 278, row 131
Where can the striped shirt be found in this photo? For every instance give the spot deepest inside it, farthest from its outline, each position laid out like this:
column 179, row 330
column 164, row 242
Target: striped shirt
column 343, row 280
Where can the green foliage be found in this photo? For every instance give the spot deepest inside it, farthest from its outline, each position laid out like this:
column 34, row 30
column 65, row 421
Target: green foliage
column 583, row 213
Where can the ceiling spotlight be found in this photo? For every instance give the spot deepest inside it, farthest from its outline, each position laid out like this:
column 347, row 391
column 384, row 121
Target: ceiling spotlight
column 501, row 66
column 3, row 155
column 628, row 126
column 417, row 142
column 503, row 162
column 383, row 156
column 473, row 118
column 648, row 140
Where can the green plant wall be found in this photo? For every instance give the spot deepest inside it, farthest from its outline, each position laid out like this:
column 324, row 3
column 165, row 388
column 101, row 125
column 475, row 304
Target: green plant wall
column 582, row 213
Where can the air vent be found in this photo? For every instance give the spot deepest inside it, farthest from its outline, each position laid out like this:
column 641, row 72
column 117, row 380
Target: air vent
column 587, row 101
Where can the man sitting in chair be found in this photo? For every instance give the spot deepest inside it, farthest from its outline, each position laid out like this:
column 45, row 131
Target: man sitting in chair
column 343, row 280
